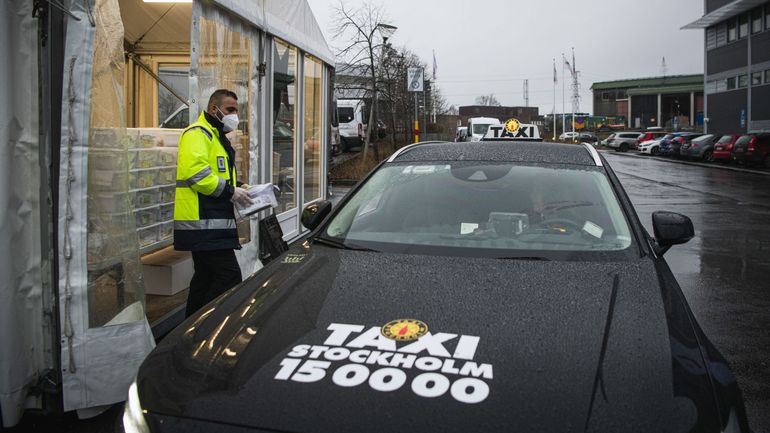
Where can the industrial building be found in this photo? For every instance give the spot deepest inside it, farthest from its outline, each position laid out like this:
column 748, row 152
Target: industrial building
column 673, row 102
column 523, row 114
column 737, row 64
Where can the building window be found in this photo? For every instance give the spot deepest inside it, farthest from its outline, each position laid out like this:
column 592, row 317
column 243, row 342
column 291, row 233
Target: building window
column 767, row 17
column 731, row 83
column 721, row 34
column 605, row 96
column 743, row 81
column 743, row 26
column 756, row 20
column 721, row 85
column 711, row 37
column 767, row 76
column 756, row 79
column 731, row 31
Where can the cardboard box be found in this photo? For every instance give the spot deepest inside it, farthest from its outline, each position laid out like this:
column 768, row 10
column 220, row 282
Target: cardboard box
column 167, row 272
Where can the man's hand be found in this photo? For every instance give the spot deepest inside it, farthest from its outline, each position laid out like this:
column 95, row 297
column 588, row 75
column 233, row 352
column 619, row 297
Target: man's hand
column 241, row 197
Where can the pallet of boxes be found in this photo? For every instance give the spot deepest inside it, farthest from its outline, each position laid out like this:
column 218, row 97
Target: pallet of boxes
column 153, row 181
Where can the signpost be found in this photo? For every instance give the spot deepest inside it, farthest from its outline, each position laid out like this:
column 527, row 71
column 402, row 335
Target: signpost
column 414, row 83
column 415, row 79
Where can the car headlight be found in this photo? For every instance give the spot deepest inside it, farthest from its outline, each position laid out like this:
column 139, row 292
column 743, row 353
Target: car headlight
column 133, row 416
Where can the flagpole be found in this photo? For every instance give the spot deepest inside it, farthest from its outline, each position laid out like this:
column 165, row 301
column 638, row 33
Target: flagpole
column 563, row 100
column 574, row 83
column 433, row 90
column 554, row 99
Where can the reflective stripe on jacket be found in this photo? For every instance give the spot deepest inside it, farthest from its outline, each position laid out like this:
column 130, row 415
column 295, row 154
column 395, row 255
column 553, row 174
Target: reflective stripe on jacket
column 203, row 214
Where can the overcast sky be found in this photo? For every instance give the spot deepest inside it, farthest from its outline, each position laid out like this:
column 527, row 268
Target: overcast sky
column 490, row 46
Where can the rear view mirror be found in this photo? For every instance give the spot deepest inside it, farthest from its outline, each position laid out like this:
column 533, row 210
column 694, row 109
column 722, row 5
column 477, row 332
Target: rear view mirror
column 671, row 229
column 314, row 213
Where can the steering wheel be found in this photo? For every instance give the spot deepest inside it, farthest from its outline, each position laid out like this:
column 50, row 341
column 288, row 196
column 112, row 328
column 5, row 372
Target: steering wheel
column 563, row 222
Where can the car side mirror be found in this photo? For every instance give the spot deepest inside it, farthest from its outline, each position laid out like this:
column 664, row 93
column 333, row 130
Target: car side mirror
column 314, row 213
column 670, row 229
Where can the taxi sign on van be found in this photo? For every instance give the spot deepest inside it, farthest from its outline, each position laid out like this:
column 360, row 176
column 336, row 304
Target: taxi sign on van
column 512, row 129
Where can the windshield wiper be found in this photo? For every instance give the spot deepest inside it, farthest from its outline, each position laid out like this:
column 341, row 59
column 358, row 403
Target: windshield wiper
column 341, row 245
column 564, row 204
column 544, row 259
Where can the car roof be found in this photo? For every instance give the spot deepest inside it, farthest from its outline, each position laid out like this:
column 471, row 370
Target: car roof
column 483, row 119
column 502, row 151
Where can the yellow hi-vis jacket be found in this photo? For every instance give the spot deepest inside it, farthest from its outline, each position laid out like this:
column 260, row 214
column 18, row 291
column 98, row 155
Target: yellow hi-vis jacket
column 204, row 219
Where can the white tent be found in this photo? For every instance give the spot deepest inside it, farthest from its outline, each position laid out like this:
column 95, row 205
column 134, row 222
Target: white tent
column 96, row 361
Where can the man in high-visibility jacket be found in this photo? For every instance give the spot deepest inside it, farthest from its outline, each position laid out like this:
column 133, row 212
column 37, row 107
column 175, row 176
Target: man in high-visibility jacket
column 206, row 188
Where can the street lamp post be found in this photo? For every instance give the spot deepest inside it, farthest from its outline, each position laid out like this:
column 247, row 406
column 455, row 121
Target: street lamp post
column 386, row 31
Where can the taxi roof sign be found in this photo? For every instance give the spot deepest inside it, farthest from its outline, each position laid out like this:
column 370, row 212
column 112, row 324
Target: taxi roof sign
column 513, row 130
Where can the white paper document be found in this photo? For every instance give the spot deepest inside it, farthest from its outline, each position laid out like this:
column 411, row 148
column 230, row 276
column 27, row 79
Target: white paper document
column 263, row 197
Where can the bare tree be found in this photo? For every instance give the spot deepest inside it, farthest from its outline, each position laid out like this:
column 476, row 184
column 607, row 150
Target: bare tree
column 488, row 100
column 398, row 98
column 358, row 28
column 439, row 101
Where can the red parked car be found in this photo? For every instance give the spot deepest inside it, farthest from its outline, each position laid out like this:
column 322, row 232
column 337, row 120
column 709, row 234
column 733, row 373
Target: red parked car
column 753, row 149
column 650, row 135
column 724, row 148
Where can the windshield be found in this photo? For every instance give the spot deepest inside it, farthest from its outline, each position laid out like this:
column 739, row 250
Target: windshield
column 480, row 128
column 477, row 208
column 703, row 138
column 743, row 140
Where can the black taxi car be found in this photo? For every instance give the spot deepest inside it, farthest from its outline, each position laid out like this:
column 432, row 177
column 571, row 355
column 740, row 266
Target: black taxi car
column 492, row 286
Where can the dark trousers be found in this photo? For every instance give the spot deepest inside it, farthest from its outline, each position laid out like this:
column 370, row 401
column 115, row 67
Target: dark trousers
column 215, row 273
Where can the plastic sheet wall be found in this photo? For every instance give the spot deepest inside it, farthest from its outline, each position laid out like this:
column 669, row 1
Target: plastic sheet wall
column 291, row 20
column 21, row 314
column 105, row 335
column 225, row 54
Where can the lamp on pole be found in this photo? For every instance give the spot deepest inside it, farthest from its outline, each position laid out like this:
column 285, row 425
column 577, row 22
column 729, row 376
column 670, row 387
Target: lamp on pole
column 386, row 31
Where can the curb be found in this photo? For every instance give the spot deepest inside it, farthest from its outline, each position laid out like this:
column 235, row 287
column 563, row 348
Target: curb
column 717, row 165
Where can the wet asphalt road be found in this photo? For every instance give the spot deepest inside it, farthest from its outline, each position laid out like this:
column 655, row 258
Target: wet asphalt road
column 725, row 270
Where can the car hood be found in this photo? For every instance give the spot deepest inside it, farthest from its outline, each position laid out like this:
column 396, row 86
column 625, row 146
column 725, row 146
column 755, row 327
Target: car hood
column 508, row 344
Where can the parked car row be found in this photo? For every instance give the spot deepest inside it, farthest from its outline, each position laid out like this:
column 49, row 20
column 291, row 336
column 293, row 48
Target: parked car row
column 748, row 148
column 623, row 141
column 581, row 136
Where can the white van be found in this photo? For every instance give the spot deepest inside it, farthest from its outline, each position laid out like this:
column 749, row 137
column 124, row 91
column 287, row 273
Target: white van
column 478, row 126
column 351, row 115
column 334, row 140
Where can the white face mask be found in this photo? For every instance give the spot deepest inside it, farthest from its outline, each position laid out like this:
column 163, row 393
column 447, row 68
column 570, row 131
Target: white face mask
column 230, row 121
